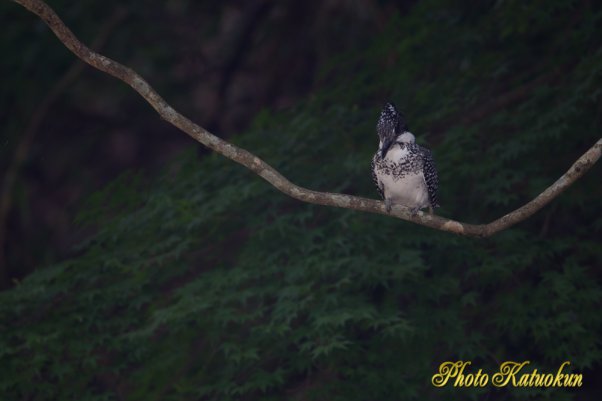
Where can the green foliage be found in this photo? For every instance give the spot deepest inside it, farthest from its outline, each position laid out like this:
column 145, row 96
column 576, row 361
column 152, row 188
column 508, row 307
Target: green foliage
column 207, row 283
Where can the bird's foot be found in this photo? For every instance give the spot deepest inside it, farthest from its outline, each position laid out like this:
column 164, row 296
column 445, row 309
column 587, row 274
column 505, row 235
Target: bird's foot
column 388, row 205
column 414, row 211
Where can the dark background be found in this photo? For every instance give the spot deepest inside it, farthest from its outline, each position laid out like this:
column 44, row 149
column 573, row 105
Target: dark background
column 219, row 63
column 137, row 265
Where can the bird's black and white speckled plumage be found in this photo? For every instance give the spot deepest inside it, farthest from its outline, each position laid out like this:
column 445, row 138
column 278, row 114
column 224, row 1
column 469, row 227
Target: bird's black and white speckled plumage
column 403, row 172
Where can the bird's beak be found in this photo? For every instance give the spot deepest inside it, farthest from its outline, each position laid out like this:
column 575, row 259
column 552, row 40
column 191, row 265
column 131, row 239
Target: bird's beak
column 386, row 145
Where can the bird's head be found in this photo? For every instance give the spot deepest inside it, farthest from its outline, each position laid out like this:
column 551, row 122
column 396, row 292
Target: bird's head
column 391, row 126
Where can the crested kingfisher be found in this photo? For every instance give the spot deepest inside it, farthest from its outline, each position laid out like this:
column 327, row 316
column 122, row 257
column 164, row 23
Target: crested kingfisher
column 404, row 172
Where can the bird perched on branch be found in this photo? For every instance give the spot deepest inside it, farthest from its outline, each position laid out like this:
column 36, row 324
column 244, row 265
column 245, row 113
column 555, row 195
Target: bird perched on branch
column 404, row 172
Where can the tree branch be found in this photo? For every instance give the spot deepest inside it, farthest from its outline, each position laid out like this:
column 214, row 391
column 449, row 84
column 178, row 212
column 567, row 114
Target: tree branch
column 268, row 173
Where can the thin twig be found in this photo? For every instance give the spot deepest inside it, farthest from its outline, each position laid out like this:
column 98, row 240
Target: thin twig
column 268, row 173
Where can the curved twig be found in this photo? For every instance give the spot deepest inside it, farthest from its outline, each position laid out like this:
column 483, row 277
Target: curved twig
column 268, row 173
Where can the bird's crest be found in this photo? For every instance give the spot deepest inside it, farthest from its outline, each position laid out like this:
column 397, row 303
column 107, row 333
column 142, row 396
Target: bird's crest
column 391, row 124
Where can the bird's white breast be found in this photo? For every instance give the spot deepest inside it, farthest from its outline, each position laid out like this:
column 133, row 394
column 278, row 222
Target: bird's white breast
column 408, row 189
column 397, row 153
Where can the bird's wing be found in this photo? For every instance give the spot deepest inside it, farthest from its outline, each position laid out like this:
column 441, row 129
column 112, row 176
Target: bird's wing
column 379, row 185
column 430, row 176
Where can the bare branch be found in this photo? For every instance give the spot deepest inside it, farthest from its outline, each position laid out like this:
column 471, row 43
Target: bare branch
column 268, row 173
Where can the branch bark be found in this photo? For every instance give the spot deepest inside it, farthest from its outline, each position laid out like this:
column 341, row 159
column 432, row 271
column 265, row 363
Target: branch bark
column 268, row 173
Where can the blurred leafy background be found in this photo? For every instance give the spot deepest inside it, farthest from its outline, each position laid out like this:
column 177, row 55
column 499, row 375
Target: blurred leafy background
column 138, row 266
